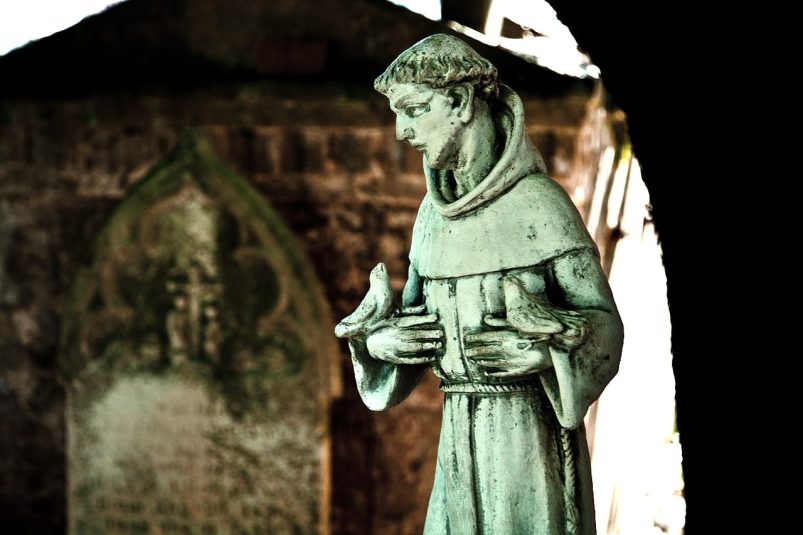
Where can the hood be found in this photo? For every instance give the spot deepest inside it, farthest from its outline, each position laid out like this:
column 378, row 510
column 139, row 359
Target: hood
column 519, row 159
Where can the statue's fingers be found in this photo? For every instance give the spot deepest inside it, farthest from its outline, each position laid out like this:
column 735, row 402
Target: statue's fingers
column 412, row 321
column 414, row 310
column 496, row 322
column 488, row 337
column 483, row 353
column 415, row 359
column 416, row 347
column 420, row 335
column 488, row 367
column 513, row 372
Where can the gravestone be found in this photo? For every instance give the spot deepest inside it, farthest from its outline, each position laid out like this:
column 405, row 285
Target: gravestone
column 195, row 351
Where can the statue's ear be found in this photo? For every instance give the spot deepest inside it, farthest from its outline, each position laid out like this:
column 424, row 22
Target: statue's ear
column 462, row 96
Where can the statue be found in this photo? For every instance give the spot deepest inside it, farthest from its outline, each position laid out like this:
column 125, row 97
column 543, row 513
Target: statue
column 505, row 301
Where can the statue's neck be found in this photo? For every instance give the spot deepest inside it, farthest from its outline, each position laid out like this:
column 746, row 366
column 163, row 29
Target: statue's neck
column 479, row 152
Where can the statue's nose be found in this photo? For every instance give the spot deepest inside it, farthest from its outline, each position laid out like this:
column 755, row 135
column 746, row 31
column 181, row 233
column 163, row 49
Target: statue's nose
column 403, row 132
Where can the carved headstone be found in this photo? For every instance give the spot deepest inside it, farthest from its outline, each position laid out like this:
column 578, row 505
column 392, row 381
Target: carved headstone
column 195, row 351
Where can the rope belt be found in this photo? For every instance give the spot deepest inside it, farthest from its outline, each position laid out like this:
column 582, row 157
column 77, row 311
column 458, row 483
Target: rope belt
column 487, row 388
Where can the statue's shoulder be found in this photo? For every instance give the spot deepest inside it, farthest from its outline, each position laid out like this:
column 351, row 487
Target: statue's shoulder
column 533, row 197
column 542, row 186
column 540, row 203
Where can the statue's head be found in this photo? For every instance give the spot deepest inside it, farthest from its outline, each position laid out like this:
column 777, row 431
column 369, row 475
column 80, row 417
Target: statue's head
column 436, row 87
column 441, row 61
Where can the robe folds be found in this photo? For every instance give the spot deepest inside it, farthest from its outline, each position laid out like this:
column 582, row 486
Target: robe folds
column 512, row 457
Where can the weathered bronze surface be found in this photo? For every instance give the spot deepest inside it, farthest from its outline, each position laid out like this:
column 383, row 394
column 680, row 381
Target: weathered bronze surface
column 505, row 301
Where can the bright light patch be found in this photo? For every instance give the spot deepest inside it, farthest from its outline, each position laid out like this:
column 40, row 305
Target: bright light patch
column 22, row 22
column 431, row 9
column 636, row 462
column 550, row 45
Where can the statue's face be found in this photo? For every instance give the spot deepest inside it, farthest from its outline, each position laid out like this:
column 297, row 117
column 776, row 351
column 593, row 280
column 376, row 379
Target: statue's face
column 427, row 119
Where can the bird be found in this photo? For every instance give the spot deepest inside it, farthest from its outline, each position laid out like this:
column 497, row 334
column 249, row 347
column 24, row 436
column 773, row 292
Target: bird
column 534, row 315
column 376, row 306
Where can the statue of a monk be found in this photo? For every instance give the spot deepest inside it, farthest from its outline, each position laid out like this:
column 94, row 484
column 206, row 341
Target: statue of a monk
column 505, row 301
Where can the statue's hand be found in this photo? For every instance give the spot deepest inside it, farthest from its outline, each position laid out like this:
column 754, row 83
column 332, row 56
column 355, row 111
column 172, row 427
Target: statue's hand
column 407, row 339
column 506, row 352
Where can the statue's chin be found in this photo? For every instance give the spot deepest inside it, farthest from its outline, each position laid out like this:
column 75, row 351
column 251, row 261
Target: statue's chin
column 444, row 160
column 437, row 164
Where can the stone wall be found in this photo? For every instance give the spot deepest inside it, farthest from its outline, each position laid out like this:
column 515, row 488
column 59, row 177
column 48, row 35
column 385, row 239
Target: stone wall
column 330, row 166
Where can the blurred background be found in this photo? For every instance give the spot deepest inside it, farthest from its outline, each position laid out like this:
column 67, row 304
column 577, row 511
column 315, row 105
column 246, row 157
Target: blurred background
column 192, row 191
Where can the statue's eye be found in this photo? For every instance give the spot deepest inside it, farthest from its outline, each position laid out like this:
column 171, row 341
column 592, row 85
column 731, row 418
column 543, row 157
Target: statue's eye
column 415, row 111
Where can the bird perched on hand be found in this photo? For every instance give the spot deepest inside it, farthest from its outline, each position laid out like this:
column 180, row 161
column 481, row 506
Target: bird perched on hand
column 534, row 315
column 375, row 307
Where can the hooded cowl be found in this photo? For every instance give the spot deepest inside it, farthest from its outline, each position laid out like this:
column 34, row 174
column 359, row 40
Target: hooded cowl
column 514, row 218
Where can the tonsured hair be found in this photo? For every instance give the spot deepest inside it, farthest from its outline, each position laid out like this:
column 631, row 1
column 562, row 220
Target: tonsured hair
column 440, row 61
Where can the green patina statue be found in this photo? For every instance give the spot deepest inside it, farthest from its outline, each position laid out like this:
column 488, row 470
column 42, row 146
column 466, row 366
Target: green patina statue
column 505, row 301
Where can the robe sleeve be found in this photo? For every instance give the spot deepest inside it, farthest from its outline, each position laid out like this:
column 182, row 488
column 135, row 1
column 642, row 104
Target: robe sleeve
column 383, row 384
column 578, row 376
